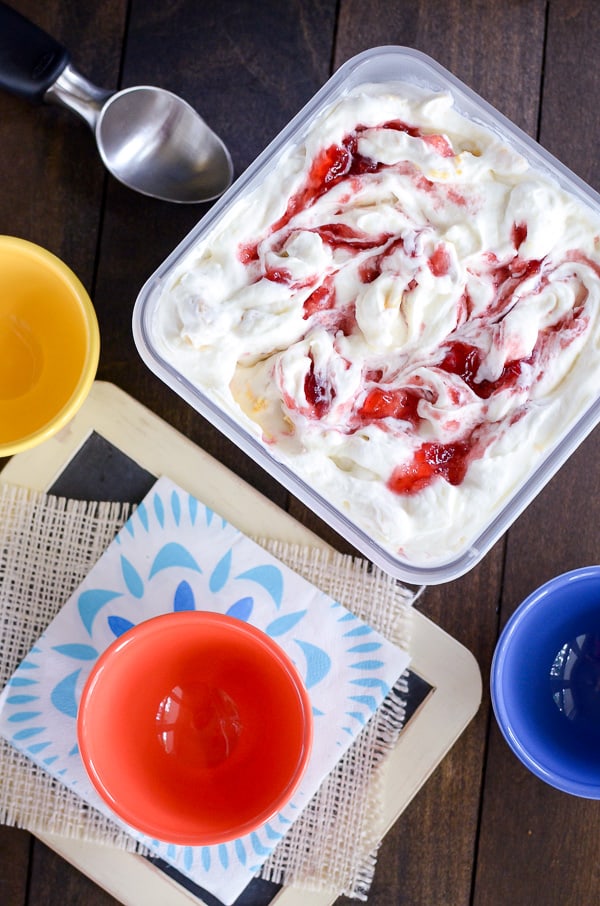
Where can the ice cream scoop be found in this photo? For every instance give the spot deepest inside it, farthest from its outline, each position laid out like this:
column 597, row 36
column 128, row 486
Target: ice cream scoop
column 149, row 139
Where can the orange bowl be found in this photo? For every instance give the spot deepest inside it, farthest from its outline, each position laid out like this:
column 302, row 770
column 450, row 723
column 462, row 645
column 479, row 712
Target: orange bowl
column 194, row 727
column 49, row 344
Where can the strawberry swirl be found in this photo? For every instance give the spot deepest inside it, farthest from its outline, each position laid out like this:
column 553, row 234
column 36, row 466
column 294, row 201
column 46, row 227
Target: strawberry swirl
column 405, row 311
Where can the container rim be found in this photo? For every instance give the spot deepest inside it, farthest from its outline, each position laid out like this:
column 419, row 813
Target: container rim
column 361, row 69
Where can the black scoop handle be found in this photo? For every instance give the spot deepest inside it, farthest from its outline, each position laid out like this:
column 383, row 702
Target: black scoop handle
column 30, row 60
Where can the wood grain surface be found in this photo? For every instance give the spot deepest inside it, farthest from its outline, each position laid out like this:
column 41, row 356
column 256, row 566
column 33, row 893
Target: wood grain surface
column 482, row 831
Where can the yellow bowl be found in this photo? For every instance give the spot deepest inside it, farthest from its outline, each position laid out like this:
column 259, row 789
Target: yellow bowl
column 49, row 344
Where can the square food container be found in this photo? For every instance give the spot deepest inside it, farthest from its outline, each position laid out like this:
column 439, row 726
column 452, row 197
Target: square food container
column 379, row 65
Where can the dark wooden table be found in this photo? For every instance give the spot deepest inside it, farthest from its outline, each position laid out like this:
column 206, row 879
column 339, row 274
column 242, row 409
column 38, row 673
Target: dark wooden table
column 482, row 830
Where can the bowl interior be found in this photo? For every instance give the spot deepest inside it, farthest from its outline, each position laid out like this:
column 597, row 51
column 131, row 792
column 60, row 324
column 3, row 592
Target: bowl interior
column 546, row 682
column 48, row 344
column 195, row 727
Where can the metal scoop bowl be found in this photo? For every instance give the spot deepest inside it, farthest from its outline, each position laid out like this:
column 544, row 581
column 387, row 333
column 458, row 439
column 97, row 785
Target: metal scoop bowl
column 151, row 140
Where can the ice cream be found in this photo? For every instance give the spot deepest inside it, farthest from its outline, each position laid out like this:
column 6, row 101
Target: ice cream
column 404, row 311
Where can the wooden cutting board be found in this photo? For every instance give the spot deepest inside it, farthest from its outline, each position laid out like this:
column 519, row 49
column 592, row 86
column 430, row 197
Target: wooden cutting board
column 121, row 447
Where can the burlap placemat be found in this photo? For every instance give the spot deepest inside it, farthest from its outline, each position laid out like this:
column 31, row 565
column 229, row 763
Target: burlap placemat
column 48, row 545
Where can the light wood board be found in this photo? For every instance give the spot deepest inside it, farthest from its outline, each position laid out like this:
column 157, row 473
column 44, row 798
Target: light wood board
column 436, row 657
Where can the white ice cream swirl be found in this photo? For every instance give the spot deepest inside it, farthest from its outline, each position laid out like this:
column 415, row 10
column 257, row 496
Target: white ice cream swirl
column 404, row 311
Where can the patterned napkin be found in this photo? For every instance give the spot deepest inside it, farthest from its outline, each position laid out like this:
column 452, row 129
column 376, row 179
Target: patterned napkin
column 176, row 554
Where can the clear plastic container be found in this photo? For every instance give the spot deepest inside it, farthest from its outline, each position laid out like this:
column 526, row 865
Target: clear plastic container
column 382, row 64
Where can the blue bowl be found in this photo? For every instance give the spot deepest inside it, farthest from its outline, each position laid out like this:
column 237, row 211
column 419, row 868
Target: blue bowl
column 545, row 682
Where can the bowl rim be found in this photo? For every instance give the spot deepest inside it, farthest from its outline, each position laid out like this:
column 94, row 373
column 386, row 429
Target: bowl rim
column 48, row 260
column 539, row 597
column 152, row 626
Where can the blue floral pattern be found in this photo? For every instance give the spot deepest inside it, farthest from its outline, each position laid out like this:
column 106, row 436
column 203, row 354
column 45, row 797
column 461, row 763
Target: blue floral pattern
column 176, row 554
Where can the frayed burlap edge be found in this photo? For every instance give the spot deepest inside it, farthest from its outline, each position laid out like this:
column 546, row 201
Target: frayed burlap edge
column 48, row 545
